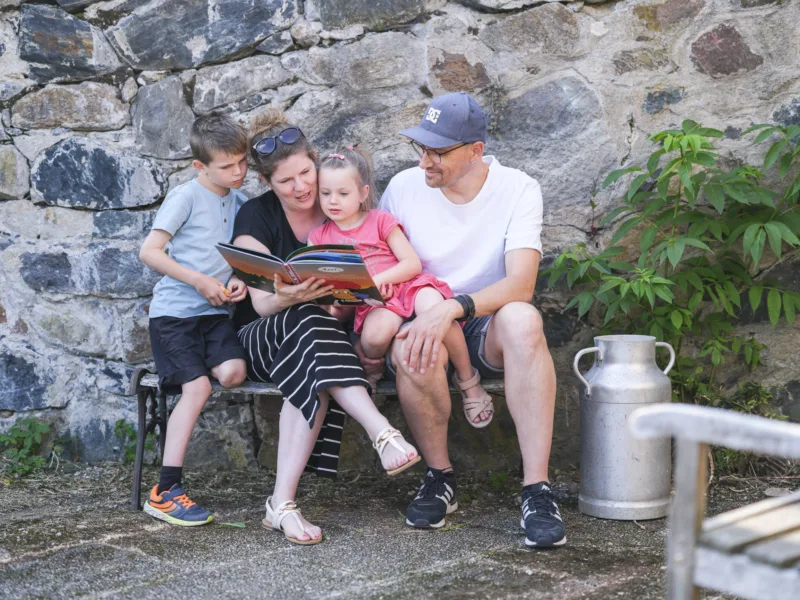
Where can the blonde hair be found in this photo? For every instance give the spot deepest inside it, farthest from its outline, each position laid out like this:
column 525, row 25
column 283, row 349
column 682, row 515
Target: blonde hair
column 270, row 124
column 360, row 160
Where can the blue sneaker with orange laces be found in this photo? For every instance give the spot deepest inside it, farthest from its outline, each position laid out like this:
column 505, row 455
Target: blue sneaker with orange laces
column 174, row 507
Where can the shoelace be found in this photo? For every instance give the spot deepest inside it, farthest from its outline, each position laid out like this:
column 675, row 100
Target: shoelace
column 540, row 502
column 183, row 499
column 432, row 486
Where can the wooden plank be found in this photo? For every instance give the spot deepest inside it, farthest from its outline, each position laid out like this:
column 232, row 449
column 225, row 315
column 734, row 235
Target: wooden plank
column 741, row 576
column 750, row 510
column 734, row 537
column 718, row 427
column 780, row 551
column 385, row 388
column 685, row 516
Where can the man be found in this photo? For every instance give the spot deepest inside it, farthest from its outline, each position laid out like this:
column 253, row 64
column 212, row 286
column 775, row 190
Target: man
column 476, row 225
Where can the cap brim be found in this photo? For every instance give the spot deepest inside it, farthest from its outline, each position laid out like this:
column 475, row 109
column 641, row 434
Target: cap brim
column 428, row 138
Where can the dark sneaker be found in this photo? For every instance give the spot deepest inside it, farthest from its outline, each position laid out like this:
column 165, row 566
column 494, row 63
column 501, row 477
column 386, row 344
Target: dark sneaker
column 540, row 517
column 174, row 506
column 436, row 498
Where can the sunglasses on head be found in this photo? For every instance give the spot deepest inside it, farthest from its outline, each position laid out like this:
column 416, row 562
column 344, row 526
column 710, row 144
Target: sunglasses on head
column 267, row 145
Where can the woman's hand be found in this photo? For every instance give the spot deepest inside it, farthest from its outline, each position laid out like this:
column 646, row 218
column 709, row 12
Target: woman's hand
column 211, row 289
column 311, row 289
column 237, row 289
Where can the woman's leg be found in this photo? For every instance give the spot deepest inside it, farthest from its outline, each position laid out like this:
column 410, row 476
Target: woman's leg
column 456, row 346
column 295, row 444
column 355, row 401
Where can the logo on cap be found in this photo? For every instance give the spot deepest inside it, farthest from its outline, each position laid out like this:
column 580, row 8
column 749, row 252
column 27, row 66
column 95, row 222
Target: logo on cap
column 433, row 115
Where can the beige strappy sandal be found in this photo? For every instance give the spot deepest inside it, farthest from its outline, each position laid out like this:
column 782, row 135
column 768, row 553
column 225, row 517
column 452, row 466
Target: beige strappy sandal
column 275, row 517
column 387, row 436
column 473, row 407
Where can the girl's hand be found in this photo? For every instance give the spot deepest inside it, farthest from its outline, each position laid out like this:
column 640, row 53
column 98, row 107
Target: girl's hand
column 237, row 289
column 386, row 290
column 311, row 289
column 211, row 289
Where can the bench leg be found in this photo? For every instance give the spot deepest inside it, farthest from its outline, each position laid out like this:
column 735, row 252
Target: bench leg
column 141, row 436
column 685, row 518
column 162, row 422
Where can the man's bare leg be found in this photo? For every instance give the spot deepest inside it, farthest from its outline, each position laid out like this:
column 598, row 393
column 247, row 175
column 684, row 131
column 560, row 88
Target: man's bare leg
column 425, row 400
column 516, row 341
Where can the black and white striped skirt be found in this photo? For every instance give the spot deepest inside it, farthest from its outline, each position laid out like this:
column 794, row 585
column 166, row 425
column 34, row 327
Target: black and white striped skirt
column 305, row 351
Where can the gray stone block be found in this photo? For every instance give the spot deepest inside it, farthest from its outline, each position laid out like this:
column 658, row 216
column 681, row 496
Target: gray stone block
column 79, row 173
column 162, row 120
column 88, row 106
column 179, row 34
column 59, row 46
column 14, row 173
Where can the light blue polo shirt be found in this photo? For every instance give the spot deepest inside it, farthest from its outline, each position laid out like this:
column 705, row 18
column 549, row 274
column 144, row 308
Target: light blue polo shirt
column 197, row 219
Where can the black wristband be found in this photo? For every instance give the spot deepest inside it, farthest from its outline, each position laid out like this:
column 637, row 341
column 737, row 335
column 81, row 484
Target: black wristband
column 467, row 304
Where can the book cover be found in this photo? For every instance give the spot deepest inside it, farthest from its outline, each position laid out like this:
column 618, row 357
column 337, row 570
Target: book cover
column 340, row 266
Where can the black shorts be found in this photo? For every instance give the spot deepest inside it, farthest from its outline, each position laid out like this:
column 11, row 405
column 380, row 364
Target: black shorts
column 185, row 349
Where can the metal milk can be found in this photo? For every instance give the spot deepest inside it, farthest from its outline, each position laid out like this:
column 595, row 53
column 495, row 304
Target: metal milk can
column 622, row 477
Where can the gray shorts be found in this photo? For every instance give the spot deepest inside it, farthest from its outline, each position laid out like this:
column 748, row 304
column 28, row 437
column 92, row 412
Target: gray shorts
column 475, row 334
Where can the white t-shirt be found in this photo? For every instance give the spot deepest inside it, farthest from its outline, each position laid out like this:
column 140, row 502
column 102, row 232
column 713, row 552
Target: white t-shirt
column 465, row 244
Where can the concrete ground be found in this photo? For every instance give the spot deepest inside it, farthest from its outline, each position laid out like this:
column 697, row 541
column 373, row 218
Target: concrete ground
column 71, row 535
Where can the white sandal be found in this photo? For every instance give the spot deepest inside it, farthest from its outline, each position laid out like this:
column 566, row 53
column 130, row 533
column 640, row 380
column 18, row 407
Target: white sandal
column 387, row 437
column 473, row 407
column 274, row 520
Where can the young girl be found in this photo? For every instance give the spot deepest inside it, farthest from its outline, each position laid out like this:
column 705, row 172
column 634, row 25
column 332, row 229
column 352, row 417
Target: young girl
column 347, row 194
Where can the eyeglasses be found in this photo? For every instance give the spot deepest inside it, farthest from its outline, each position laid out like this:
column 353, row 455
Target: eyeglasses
column 434, row 155
column 267, row 145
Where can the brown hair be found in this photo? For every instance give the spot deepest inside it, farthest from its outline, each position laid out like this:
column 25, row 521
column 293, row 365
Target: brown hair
column 361, row 161
column 270, row 124
column 216, row 132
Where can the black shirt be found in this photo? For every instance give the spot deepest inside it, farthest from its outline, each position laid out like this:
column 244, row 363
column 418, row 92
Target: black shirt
column 263, row 219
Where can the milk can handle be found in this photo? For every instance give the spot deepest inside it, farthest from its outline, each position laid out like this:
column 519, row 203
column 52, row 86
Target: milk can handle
column 671, row 355
column 578, row 372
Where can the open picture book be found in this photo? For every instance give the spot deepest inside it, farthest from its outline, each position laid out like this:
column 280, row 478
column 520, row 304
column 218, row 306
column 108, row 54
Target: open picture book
column 340, row 266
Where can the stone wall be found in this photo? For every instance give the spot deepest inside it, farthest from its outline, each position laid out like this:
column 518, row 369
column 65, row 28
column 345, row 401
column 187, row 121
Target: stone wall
column 97, row 100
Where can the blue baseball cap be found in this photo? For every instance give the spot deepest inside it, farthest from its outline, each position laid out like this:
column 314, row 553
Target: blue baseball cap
column 449, row 120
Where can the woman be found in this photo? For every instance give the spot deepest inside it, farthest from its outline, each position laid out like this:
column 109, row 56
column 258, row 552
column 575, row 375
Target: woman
column 296, row 344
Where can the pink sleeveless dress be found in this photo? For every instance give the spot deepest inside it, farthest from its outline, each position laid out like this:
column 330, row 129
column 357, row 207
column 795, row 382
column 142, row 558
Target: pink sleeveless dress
column 369, row 239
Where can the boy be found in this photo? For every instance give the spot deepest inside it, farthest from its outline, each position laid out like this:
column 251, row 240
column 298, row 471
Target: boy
column 191, row 331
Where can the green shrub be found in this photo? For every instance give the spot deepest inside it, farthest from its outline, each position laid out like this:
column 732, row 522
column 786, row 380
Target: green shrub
column 21, row 446
column 704, row 235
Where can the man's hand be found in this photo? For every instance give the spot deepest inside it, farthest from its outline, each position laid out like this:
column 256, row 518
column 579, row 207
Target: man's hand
column 311, row 289
column 237, row 289
column 373, row 367
column 211, row 289
column 425, row 334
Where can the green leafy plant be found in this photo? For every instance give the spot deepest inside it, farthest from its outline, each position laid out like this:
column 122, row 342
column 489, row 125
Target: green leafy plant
column 21, row 446
column 126, row 433
column 704, row 235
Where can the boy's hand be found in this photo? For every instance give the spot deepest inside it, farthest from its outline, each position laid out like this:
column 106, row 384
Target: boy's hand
column 211, row 289
column 386, row 290
column 237, row 289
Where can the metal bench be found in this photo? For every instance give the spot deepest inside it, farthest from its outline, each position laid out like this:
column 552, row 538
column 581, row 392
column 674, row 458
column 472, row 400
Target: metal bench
column 753, row 551
column 153, row 412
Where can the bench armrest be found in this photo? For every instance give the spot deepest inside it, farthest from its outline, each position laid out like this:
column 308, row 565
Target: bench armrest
column 717, row 427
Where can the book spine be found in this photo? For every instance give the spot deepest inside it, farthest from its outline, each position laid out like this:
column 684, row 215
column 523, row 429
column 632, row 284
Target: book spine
column 293, row 274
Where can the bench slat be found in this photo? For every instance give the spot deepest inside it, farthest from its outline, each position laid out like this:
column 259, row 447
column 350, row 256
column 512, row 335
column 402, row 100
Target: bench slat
column 781, row 551
column 270, row 389
column 749, row 510
column 736, row 536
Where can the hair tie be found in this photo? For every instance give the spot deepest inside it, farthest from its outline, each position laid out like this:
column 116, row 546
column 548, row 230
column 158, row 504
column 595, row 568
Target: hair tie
column 339, row 156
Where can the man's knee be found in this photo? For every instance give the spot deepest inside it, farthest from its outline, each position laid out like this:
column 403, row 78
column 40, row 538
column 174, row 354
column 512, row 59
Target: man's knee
column 520, row 324
column 232, row 373
column 425, row 379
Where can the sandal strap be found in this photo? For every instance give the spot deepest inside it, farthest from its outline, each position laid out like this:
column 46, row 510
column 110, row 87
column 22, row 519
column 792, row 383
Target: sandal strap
column 469, row 383
column 387, row 436
column 283, row 510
